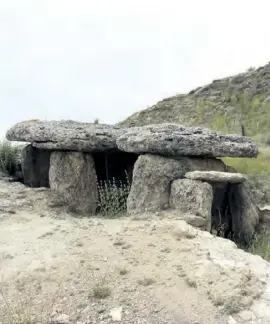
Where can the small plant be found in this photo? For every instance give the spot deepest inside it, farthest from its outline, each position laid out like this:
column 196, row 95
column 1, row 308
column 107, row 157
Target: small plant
column 8, row 157
column 146, row 282
column 123, row 271
column 191, row 283
column 101, row 291
column 112, row 197
column 231, row 307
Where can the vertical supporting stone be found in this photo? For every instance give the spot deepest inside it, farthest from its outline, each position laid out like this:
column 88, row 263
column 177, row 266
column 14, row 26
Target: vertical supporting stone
column 193, row 200
column 152, row 177
column 72, row 176
column 35, row 166
column 245, row 216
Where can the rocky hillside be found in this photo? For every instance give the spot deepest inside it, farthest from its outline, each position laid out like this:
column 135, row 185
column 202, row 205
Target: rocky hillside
column 229, row 105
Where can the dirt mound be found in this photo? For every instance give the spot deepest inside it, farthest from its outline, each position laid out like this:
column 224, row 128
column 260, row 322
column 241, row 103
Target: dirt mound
column 153, row 268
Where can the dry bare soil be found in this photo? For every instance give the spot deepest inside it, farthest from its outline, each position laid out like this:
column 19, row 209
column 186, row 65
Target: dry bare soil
column 57, row 267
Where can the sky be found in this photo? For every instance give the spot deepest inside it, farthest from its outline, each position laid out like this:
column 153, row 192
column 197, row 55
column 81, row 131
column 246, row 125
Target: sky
column 106, row 59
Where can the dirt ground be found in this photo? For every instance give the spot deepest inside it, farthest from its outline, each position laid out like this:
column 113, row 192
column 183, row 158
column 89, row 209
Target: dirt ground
column 58, row 267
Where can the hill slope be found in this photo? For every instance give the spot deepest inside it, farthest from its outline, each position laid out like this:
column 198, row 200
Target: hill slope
column 229, row 105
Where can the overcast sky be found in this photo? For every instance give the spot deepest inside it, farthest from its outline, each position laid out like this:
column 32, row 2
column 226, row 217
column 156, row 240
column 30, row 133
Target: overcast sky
column 87, row 59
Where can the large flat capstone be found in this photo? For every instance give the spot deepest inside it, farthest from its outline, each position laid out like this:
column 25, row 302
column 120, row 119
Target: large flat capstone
column 216, row 176
column 178, row 140
column 65, row 135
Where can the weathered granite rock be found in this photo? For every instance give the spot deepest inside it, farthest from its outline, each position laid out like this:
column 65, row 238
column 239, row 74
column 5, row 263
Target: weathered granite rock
column 73, row 177
column 245, row 214
column 178, row 140
column 264, row 215
column 152, row 176
column 35, row 167
column 65, row 135
column 195, row 198
column 197, row 221
column 215, row 176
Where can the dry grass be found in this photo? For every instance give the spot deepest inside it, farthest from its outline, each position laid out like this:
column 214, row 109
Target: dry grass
column 191, row 283
column 146, row 281
column 113, row 197
column 101, row 291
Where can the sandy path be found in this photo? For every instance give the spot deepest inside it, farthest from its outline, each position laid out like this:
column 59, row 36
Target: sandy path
column 61, row 261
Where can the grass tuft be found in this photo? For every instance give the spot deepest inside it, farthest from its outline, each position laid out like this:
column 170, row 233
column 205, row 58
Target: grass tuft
column 101, row 291
column 146, row 282
column 123, row 271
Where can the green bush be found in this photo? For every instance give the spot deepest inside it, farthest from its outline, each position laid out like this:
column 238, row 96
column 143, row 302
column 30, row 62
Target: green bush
column 8, row 157
column 112, row 197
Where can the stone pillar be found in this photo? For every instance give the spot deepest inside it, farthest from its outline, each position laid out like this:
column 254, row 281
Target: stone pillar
column 72, row 176
column 245, row 215
column 35, row 166
column 152, row 177
column 193, row 200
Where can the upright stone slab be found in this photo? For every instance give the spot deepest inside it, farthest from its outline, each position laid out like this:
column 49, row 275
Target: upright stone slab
column 73, row 176
column 245, row 215
column 193, row 199
column 35, row 166
column 152, row 177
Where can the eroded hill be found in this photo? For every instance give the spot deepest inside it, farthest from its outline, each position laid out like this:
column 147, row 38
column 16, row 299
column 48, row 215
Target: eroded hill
column 229, row 104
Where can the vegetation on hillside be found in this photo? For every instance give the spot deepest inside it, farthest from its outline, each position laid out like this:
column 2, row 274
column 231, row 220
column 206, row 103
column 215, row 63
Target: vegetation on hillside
column 243, row 116
column 229, row 105
column 8, row 158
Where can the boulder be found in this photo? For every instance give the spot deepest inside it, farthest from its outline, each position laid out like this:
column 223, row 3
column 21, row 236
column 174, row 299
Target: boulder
column 35, row 164
column 178, row 140
column 193, row 198
column 197, row 221
column 72, row 176
column 245, row 214
column 216, row 176
column 264, row 215
column 152, row 177
column 65, row 135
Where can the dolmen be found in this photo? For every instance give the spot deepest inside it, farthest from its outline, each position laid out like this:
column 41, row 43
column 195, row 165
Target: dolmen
column 170, row 166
